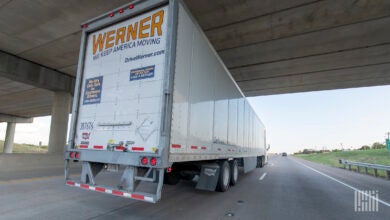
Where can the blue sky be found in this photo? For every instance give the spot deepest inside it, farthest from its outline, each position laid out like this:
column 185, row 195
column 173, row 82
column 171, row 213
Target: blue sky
column 348, row 117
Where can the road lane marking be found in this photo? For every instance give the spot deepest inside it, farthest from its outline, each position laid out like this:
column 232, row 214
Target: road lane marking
column 347, row 185
column 262, row 176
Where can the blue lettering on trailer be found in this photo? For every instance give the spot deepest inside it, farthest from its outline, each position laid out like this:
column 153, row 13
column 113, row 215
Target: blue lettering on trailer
column 142, row 73
column 93, row 90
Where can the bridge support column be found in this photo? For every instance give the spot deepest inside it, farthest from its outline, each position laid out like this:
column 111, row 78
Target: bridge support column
column 59, row 122
column 9, row 138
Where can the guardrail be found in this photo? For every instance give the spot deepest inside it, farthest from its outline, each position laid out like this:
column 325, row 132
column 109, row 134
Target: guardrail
column 366, row 166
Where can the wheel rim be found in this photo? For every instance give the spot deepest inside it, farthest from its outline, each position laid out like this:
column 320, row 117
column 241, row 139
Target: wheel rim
column 225, row 175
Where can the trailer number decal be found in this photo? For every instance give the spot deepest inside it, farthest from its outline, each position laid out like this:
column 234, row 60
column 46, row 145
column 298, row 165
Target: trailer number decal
column 142, row 73
column 93, row 90
column 86, row 126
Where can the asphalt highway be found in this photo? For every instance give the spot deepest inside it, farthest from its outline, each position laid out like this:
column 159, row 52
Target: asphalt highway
column 287, row 188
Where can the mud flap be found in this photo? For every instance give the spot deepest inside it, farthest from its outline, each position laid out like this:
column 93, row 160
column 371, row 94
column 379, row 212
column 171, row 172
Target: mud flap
column 208, row 178
column 260, row 162
column 249, row 163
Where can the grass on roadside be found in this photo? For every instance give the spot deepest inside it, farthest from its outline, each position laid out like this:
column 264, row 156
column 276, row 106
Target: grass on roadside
column 375, row 156
column 25, row 148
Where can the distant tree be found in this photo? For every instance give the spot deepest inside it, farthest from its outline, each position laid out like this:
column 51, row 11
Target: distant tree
column 336, row 150
column 365, row 147
column 378, row 145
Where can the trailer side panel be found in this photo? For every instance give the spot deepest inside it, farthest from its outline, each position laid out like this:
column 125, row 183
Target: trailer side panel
column 211, row 119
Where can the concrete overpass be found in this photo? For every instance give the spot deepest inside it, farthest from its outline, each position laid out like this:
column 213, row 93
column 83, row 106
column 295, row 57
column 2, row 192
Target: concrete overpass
column 270, row 47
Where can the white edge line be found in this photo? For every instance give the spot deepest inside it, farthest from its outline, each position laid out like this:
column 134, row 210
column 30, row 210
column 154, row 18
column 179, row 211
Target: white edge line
column 262, row 176
column 349, row 186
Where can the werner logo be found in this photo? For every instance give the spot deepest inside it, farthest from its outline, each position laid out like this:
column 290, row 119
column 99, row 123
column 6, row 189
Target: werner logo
column 150, row 26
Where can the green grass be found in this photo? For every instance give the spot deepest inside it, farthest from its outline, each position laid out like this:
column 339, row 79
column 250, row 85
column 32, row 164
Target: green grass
column 25, row 148
column 376, row 156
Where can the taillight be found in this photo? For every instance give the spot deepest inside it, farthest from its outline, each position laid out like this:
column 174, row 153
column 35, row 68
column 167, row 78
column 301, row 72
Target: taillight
column 77, row 155
column 121, row 10
column 111, row 14
column 153, row 161
column 169, row 169
column 85, row 25
column 71, row 154
column 131, row 6
column 144, row 161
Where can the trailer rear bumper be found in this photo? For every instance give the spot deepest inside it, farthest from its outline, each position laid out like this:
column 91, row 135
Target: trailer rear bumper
column 145, row 197
column 131, row 183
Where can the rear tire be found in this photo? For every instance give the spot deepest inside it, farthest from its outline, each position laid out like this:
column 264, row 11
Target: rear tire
column 187, row 176
column 233, row 172
column 171, row 178
column 260, row 162
column 224, row 177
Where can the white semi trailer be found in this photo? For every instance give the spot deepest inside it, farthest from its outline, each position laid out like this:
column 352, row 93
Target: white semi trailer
column 154, row 102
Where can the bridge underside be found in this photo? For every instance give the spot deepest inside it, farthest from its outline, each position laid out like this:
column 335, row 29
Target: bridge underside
column 270, row 46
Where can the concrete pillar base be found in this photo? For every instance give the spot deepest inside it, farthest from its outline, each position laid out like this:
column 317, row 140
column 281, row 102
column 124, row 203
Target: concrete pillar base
column 59, row 122
column 9, row 138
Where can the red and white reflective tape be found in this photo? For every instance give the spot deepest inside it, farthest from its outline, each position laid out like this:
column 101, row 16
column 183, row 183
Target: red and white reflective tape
column 119, row 148
column 137, row 149
column 192, row 147
column 111, row 191
column 98, row 147
column 176, row 146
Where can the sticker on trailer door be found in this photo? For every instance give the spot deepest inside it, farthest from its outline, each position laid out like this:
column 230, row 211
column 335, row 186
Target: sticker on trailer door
column 142, row 73
column 85, row 135
column 146, row 129
column 93, row 90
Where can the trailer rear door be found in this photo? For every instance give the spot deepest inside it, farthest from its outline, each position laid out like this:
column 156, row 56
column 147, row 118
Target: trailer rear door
column 122, row 85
